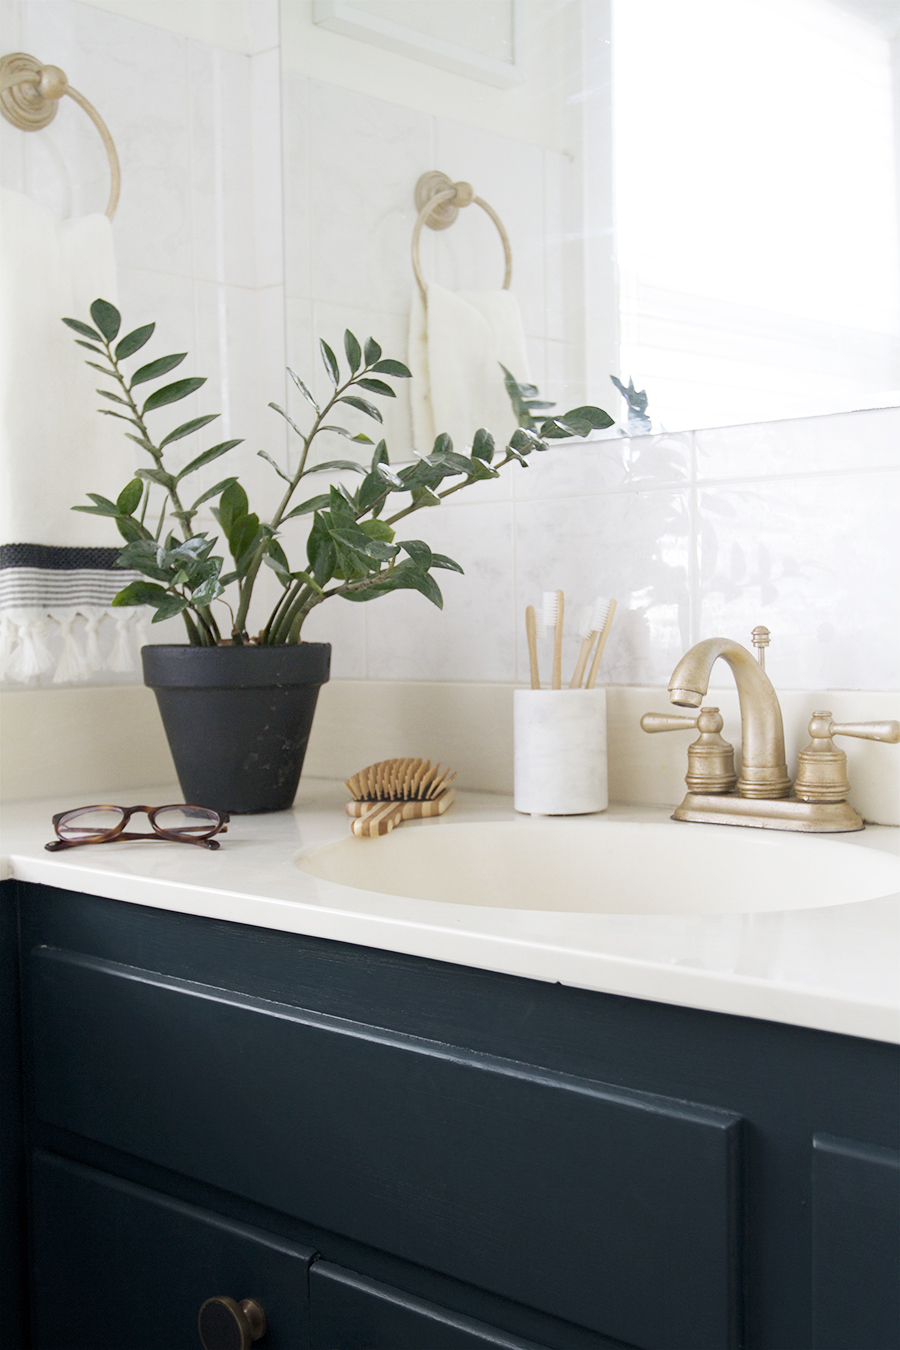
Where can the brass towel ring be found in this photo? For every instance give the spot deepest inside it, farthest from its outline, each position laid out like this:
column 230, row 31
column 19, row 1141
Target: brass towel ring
column 438, row 199
column 29, row 97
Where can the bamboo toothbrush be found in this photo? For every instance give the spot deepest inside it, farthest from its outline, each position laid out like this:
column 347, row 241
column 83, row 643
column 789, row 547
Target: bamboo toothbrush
column 587, row 631
column 531, row 633
column 553, row 613
column 394, row 790
column 601, row 640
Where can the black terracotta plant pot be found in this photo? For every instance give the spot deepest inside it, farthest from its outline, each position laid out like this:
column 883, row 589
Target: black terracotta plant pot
column 238, row 719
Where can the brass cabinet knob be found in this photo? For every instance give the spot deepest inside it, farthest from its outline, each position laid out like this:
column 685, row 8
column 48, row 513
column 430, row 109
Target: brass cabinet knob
column 225, row 1324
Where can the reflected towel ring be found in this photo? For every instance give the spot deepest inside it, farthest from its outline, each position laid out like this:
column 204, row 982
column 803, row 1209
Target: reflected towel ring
column 439, row 200
column 29, row 97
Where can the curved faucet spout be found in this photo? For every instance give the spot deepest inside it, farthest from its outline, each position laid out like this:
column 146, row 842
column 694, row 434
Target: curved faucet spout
column 763, row 770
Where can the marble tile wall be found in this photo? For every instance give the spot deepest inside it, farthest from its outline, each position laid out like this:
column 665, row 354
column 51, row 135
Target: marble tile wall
column 790, row 524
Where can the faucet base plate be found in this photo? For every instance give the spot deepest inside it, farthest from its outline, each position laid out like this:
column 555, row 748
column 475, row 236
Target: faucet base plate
column 786, row 813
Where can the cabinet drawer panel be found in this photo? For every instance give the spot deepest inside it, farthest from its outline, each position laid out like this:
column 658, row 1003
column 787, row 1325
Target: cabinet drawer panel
column 117, row 1265
column 350, row 1312
column 613, row 1209
column 856, row 1245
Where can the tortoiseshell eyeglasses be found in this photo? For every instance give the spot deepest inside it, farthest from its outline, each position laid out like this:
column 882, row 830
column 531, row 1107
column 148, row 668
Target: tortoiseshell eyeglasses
column 179, row 824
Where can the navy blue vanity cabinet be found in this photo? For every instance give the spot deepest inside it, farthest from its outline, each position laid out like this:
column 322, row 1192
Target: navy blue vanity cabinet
column 12, row 1155
column 417, row 1155
column 121, row 1266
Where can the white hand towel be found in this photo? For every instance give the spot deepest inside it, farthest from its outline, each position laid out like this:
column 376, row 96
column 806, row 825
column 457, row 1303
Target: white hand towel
column 54, row 446
column 457, row 344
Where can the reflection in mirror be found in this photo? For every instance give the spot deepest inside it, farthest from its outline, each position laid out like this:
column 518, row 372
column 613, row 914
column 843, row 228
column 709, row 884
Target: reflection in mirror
column 700, row 197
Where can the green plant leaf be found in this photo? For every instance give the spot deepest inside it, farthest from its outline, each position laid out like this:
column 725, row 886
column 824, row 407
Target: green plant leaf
column 523, row 440
column 441, row 560
column 419, row 551
column 377, row 387
column 423, row 496
column 109, row 508
column 593, row 417
column 330, row 361
column 161, row 366
column 323, row 561
column 187, row 429
column 276, row 558
column 208, row 591
column 304, row 390
column 107, row 318
column 129, row 499
column 93, row 510
column 212, row 492
column 243, row 535
column 483, row 445
column 110, row 412
column 381, row 454
column 269, row 460
column 359, row 437
column 142, row 442
column 159, row 476
column 378, row 529
column 131, row 529
column 373, row 351
column 92, row 347
column 139, row 593
column 113, row 398
column 168, row 608
column 334, row 465
column 290, row 421
column 395, row 368
column 84, row 329
column 207, row 457
column 133, row 342
column 233, row 506
column 409, row 577
column 171, row 393
column 95, row 365
column 479, row 471
column 363, row 405
column 352, row 351
column 371, row 490
column 319, row 503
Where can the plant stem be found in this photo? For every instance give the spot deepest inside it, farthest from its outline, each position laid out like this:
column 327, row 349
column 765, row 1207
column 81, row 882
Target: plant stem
column 180, row 514
column 246, row 589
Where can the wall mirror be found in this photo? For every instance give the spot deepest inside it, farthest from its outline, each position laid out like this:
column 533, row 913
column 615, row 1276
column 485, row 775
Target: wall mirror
column 700, row 196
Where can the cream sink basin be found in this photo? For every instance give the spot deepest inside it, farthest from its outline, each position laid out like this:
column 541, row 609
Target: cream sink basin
column 602, row 866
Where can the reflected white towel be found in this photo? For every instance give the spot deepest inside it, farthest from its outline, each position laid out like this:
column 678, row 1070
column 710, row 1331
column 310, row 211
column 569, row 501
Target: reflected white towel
column 53, row 445
column 457, row 343
column 55, row 563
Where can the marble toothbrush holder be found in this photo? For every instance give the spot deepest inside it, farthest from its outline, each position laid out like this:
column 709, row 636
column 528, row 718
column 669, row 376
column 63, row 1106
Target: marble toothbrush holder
column 560, row 751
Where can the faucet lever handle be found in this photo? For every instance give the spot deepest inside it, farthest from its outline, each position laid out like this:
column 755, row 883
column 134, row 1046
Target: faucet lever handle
column 710, row 758
column 668, row 722
column 822, row 767
column 868, row 731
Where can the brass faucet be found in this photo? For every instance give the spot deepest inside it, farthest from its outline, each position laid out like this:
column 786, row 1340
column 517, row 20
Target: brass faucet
column 762, row 795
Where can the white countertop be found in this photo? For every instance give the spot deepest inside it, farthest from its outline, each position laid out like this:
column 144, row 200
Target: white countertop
column 836, row 968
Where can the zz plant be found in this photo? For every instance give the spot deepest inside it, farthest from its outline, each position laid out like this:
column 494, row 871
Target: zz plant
column 352, row 548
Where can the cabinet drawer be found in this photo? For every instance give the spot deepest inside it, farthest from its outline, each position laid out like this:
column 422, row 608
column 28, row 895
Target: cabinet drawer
column 117, row 1265
column 616, row 1210
column 350, row 1312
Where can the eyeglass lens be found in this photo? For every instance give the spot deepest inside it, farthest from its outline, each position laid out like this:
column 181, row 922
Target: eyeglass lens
column 191, row 822
column 87, row 824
